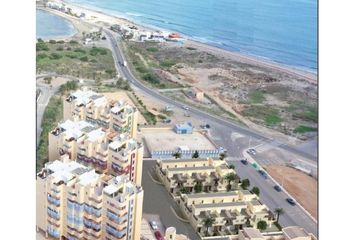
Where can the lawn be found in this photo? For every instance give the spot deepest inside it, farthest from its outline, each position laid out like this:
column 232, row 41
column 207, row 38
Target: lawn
column 52, row 114
column 74, row 59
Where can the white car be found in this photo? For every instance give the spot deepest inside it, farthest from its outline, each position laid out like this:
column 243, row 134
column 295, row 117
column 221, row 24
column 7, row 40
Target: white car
column 153, row 225
column 185, row 108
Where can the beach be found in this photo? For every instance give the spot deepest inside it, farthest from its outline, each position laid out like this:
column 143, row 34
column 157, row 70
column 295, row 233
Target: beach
column 100, row 19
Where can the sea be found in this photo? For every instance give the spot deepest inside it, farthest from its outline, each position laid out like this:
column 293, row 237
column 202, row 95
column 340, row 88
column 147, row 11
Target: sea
column 282, row 31
column 50, row 26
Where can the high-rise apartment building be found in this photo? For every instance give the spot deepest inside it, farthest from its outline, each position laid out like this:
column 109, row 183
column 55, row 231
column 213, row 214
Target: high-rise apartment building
column 94, row 108
column 106, row 151
column 76, row 202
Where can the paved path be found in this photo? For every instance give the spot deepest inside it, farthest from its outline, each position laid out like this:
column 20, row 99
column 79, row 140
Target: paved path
column 158, row 201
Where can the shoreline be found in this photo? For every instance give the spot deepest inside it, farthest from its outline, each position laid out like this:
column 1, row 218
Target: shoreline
column 108, row 18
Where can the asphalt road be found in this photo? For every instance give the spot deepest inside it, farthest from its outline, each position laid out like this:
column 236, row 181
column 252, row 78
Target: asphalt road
column 46, row 94
column 293, row 215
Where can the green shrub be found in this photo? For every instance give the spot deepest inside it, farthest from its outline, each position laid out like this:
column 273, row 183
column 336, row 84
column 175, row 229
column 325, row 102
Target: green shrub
column 55, row 56
column 52, row 41
column 152, row 49
column 73, row 42
column 168, row 63
column 42, row 46
column 79, row 50
column 41, row 56
column 84, row 59
column 151, row 78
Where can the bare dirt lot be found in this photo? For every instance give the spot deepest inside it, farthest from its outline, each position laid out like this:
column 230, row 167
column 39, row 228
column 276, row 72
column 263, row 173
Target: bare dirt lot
column 267, row 97
column 298, row 184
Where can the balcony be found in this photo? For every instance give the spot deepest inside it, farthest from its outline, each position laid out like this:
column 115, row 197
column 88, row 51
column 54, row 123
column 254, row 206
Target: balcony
column 113, row 217
column 53, row 214
column 53, row 200
column 114, row 232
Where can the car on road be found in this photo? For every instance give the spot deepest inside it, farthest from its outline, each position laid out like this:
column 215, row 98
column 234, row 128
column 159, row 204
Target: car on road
column 244, row 161
column 186, row 114
column 291, row 201
column 263, row 173
column 251, row 151
column 207, row 126
column 185, row 108
column 158, row 235
column 166, row 121
column 277, row 188
column 153, row 225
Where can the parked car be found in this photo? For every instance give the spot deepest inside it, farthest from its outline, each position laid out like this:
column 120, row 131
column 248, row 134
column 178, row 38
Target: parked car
column 263, row 173
column 291, row 201
column 277, row 188
column 158, row 235
column 244, row 161
column 153, row 225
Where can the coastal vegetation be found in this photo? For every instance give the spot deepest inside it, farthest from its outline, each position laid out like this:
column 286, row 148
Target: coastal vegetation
column 240, row 91
column 73, row 59
column 52, row 114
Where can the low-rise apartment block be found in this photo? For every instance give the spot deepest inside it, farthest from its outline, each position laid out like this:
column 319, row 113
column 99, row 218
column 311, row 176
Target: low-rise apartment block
column 100, row 148
column 76, row 202
column 96, row 109
column 186, row 173
column 231, row 211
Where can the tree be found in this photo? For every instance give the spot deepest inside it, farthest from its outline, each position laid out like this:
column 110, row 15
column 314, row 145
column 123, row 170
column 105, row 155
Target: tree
column 184, row 190
column 177, row 155
column 222, row 156
column 262, row 225
column 279, row 211
column 208, row 222
column 195, row 154
column 198, row 187
column 245, row 183
column 255, row 190
column 230, row 177
column 232, row 166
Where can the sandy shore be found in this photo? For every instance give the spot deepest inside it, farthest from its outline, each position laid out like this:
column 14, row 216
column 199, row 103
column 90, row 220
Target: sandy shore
column 103, row 19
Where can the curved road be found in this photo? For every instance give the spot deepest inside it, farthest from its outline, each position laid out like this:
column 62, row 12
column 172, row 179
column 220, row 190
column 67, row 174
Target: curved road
column 125, row 72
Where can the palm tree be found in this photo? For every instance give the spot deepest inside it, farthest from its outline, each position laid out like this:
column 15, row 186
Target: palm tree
column 208, row 222
column 184, row 190
column 255, row 190
column 177, row 155
column 262, row 225
column 245, row 183
column 230, row 177
column 195, row 154
column 279, row 211
column 198, row 187
column 222, row 156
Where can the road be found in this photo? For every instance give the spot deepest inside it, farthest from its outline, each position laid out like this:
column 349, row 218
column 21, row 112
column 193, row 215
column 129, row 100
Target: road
column 226, row 129
column 46, row 93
